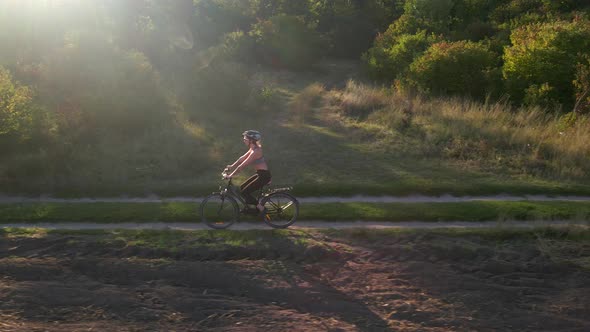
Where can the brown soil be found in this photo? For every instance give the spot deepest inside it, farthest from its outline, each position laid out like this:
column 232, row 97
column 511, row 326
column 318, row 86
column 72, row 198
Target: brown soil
column 344, row 281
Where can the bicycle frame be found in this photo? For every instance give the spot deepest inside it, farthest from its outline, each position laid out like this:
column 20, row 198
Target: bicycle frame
column 228, row 190
column 275, row 200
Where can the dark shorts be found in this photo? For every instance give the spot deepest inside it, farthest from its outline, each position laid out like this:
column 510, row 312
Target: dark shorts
column 253, row 183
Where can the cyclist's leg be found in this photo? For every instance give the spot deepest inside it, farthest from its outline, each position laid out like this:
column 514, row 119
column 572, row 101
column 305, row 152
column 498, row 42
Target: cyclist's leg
column 248, row 181
column 263, row 177
column 248, row 187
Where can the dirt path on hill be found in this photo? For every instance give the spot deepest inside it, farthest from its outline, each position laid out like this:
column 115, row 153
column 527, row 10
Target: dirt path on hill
column 301, row 282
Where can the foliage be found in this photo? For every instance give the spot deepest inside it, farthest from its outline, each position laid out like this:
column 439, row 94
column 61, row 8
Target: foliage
column 213, row 19
column 17, row 108
column 513, row 9
column 104, row 79
column 543, row 58
column 542, row 95
column 269, row 8
column 582, row 85
column 454, row 68
column 433, row 15
column 12, row 100
column 390, row 58
column 466, row 11
column 350, row 26
column 286, row 41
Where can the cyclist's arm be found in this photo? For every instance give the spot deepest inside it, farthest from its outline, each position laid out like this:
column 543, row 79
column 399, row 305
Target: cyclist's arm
column 253, row 156
column 239, row 161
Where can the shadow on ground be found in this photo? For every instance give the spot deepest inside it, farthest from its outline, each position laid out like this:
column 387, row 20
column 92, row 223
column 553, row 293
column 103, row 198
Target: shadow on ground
column 307, row 281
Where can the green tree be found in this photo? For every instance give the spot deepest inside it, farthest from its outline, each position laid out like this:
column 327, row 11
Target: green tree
column 459, row 68
column 215, row 18
column 350, row 26
column 544, row 56
column 390, row 58
column 286, row 41
column 16, row 107
column 433, row 15
column 470, row 19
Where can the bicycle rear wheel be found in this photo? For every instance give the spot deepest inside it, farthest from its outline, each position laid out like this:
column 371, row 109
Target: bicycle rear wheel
column 219, row 211
column 282, row 210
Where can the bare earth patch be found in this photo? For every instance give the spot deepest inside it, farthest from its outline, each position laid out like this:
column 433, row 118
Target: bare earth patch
column 344, row 281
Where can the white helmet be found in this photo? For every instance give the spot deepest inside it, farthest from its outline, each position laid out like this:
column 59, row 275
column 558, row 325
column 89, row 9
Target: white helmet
column 252, row 134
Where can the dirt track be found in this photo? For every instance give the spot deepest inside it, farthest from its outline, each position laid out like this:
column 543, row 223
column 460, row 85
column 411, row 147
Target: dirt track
column 334, row 282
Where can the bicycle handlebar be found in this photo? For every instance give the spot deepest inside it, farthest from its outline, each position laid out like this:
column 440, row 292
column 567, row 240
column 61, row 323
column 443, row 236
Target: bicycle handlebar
column 225, row 174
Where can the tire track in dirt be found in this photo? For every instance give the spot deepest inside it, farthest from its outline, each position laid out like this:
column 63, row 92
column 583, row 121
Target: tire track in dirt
column 349, row 282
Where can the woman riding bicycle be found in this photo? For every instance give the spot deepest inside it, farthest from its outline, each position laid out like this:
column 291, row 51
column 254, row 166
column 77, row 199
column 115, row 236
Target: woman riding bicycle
column 252, row 157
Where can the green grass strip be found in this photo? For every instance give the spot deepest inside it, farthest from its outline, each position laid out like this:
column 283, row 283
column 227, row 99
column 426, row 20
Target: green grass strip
column 188, row 212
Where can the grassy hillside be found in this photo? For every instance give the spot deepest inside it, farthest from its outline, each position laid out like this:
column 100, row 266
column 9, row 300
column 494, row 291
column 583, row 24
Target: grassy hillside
column 327, row 133
column 142, row 97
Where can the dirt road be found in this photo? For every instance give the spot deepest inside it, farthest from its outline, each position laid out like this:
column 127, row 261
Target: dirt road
column 300, row 281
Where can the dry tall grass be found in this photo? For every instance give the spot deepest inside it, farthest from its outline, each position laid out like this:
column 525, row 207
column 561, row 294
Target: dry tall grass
column 491, row 135
column 304, row 103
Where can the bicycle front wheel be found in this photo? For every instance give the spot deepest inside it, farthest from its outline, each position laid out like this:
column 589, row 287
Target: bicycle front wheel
column 282, row 210
column 219, row 211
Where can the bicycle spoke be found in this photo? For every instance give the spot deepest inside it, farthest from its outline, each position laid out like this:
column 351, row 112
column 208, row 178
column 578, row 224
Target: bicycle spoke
column 219, row 211
column 287, row 206
column 282, row 210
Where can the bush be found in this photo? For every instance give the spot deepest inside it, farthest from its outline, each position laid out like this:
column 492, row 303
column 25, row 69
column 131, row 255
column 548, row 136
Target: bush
column 406, row 24
column 285, row 41
column 351, row 35
column 513, row 9
column 477, row 30
column 238, row 46
column 390, row 58
column 459, row 68
column 582, row 85
column 546, row 54
column 17, row 109
column 433, row 15
column 466, row 11
column 213, row 19
column 543, row 95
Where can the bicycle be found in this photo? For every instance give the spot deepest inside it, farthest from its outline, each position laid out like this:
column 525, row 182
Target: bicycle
column 220, row 209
